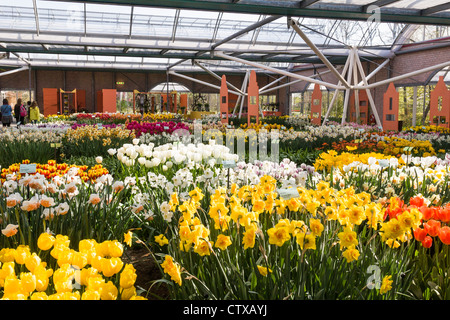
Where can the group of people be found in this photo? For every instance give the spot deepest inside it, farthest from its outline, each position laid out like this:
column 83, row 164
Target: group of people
column 21, row 113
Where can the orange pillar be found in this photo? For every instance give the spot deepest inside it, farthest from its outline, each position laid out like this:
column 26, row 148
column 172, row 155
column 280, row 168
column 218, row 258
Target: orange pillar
column 224, row 100
column 316, row 105
column 440, row 104
column 50, row 100
column 390, row 108
column 107, row 100
column 184, row 102
column 253, row 98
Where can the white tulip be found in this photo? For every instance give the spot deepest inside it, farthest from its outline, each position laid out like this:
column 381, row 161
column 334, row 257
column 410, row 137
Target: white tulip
column 148, row 164
column 134, row 155
column 141, row 161
column 156, row 161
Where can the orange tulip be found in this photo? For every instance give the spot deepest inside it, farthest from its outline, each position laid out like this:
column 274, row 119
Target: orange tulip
column 427, row 213
column 417, row 201
column 443, row 214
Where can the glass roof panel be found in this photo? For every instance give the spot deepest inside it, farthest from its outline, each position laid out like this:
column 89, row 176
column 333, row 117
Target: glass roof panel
column 108, row 19
column 58, row 16
column 194, row 22
column 348, row 2
column 105, row 30
column 416, row 4
column 20, row 16
column 173, row 86
column 152, row 22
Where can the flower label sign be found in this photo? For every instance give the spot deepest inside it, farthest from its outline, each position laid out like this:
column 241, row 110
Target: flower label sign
column 228, row 164
column 383, row 163
column 289, row 193
column 28, row 168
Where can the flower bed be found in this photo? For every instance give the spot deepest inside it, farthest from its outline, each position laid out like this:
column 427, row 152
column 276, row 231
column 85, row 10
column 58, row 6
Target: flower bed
column 370, row 203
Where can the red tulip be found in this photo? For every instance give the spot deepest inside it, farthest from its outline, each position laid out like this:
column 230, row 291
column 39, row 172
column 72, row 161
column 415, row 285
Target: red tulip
column 420, row 234
column 427, row 242
column 432, row 227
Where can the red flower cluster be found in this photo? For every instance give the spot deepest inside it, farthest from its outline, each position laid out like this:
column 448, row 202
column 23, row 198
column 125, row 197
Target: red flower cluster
column 434, row 220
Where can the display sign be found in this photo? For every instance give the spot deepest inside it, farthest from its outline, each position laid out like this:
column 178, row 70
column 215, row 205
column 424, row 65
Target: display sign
column 228, row 164
column 288, row 193
column 28, row 168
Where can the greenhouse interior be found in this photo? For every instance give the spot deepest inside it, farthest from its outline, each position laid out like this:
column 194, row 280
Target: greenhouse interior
column 248, row 150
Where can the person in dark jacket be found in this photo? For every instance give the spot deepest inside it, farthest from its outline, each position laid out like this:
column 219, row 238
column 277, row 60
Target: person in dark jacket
column 17, row 109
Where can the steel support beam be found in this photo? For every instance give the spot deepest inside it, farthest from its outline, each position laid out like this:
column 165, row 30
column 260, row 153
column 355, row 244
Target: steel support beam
column 404, row 76
column 275, row 70
column 244, row 31
column 36, row 17
column 216, row 76
column 316, row 50
column 199, row 81
column 351, row 61
column 5, row 73
column 272, row 83
column 263, row 90
column 377, row 3
column 435, row 9
column 369, row 94
column 374, row 72
column 336, row 91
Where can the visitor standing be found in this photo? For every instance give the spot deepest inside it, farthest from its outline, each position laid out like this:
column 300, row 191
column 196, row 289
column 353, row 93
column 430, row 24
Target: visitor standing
column 18, row 112
column 35, row 113
column 6, row 110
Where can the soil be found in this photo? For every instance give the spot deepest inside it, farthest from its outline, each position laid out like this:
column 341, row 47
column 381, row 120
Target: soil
column 147, row 272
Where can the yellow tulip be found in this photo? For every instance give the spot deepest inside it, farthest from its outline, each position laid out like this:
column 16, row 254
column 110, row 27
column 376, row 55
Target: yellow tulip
column 128, row 276
column 109, row 291
column 32, row 261
column 45, row 241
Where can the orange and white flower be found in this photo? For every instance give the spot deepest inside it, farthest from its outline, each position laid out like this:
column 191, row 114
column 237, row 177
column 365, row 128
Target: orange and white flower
column 10, row 230
column 30, row 205
column 47, row 201
column 118, row 186
column 13, row 200
column 94, row 199
column 62, row 208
